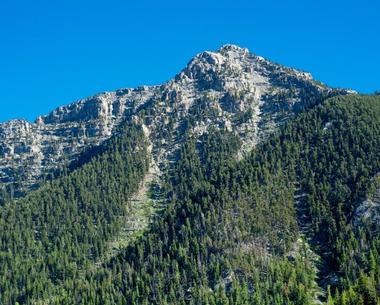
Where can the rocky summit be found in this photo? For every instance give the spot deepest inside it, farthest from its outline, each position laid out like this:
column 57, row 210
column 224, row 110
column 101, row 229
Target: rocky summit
column 230, row 88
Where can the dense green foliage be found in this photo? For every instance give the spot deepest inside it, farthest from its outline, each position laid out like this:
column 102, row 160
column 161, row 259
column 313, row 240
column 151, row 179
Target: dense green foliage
column 203, row 249
column 58, row 231
column 229, row 228
column 233, row 232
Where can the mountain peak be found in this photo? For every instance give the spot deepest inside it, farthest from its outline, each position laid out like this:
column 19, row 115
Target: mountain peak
column 232, row 48
column 228, row 88
column 225, row 52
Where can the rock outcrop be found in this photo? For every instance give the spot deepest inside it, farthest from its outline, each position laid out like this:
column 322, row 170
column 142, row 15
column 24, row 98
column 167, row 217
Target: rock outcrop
column 230, row 88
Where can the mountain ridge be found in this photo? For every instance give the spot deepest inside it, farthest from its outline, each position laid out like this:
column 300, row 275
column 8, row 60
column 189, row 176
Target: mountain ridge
column 230, row 84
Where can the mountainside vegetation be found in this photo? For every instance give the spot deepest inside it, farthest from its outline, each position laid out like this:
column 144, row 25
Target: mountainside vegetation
column 56, row 232
column 276, row 227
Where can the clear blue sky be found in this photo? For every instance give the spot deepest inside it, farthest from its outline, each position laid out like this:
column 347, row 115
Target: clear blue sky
column 55, row 52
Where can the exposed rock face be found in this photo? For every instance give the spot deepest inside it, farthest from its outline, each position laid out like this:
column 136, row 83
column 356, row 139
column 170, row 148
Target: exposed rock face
column 231, row 88
column 368, row 212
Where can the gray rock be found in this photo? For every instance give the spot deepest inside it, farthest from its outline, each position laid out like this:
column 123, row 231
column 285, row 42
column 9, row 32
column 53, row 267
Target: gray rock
column 230, row 88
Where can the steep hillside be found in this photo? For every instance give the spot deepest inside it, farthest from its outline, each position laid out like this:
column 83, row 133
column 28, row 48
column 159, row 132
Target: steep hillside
column 230, row 88
column 232, row 233
column 66, row 226
column 280, row 226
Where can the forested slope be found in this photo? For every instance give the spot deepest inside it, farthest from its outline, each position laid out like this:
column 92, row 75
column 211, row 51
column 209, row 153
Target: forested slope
column 57, row 232
column 233, row 232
